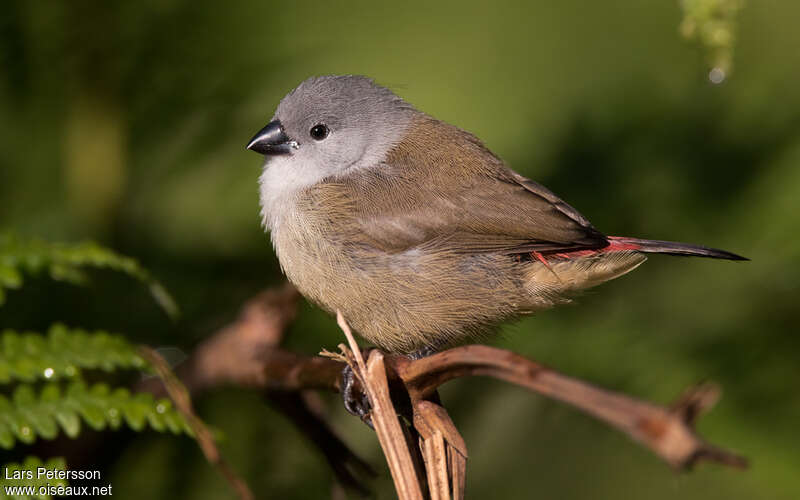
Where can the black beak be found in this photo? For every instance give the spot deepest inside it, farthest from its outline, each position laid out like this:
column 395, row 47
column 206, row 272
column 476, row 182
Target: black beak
column 271, row 140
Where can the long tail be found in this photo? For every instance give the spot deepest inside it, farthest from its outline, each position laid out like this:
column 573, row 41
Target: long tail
column 669, row 247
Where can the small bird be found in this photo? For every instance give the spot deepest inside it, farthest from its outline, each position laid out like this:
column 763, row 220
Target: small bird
column 410, row 227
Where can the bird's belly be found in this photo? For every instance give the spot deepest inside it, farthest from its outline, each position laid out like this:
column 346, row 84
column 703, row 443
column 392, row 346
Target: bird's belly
column 405, row 301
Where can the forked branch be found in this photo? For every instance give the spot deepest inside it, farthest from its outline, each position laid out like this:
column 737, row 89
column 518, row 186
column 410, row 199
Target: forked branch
column 248, row 353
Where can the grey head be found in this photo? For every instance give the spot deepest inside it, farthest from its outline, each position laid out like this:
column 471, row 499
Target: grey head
column 326, row 127
column 335, row 123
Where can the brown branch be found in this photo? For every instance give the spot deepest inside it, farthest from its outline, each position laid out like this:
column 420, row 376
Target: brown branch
column 669, row 432
column 247, row 353
column 235, row 354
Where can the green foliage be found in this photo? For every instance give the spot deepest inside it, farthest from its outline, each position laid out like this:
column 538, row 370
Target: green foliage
column 31, row 464
column 712, row 23
column 50, row 394
column 26, row 415
column 63, row 353
column 66, row 262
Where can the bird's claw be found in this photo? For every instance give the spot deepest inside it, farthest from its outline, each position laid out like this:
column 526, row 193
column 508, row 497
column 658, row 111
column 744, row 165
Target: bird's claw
column 422, row 352
column 356, row 403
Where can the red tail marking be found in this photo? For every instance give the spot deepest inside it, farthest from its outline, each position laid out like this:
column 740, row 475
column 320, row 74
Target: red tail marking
column 538, row 256
column 615, row 244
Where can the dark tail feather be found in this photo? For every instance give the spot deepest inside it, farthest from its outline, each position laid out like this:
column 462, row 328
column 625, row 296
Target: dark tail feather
column 671, row 248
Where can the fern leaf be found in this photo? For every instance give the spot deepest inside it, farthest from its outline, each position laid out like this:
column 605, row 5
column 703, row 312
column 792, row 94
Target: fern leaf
column 27, row 416
column 63, row 353
column 16, row 474
column 66, row 262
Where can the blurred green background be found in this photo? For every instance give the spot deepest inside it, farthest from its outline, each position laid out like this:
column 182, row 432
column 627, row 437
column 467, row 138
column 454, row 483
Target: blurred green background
column 125, row 122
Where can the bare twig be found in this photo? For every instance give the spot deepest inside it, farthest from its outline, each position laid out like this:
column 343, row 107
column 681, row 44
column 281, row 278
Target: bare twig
column 443, row 448
column 384, row 418
column 183, row 402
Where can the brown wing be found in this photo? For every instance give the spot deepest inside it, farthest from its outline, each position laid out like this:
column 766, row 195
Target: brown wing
column 451, row 193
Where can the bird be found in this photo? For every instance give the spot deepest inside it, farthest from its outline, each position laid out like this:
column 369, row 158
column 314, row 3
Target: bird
column 412, row 229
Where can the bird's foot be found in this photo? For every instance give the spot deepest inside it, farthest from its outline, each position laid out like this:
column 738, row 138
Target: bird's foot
column 355, row 403
column 423, row 352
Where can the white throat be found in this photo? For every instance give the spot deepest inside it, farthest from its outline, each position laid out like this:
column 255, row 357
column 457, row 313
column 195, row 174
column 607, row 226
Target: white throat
column 280, row 182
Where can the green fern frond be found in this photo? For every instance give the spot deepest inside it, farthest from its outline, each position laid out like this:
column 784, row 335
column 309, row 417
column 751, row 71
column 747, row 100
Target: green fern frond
column 28, row 416
column 66, row 262
column 31, row 464
column 63, row 353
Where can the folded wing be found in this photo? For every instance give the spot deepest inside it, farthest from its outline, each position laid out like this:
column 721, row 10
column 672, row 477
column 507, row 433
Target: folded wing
column 452, row 194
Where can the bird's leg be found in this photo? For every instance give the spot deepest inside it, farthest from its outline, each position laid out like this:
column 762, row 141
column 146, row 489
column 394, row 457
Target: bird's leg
column 355, row 404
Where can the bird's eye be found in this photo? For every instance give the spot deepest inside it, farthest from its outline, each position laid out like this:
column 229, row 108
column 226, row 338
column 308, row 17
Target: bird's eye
column 319, row 132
